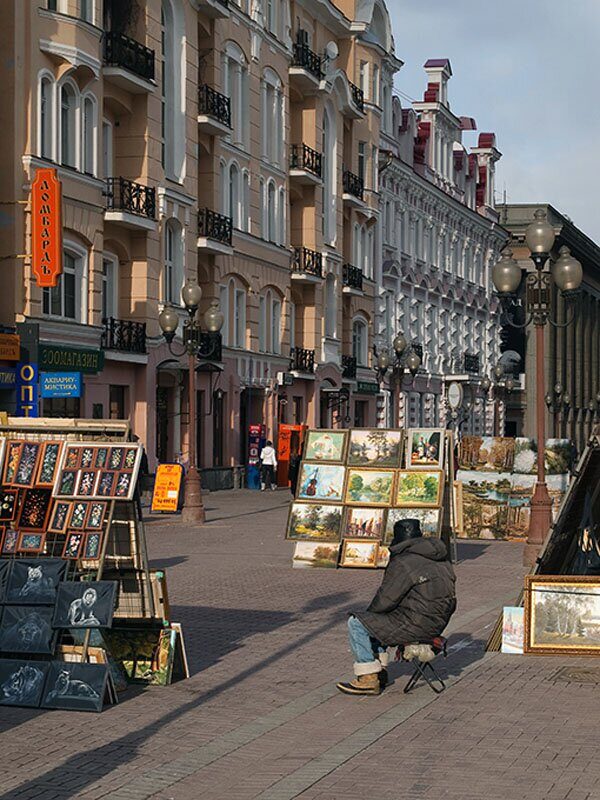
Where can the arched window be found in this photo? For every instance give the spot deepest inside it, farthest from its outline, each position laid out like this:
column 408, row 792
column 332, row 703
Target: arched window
column 281, row 215
column 245, row 222
column 269, row 323
column 235, row 84
column 68, row 125
column 89, row 135
column 66, row 300
column 330, row 307
column 46, row 119
column 364, row 253
column 234, row 210
column 172, row 90
column 173, row 274
column 272, row 117
column 224, row 188
column 360, row 342
column 232, row 296
column 110, row 296
column 271, row 213
column 329, row 176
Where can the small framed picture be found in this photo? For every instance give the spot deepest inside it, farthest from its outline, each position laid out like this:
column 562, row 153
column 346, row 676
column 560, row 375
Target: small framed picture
column 27, row 467
column 130, row 457
column 95, row 515
column 31, row 542
column 364, row 523
column 72, row 457
column 326, row 446
column 321, row 482
column 369, row 487
column 49, row 459
column 359, row 553
column 419, row 488
column 115, row 460
column 86, row 483
column 10, row 541
column 73, row 545
column 425, row 448
column 374, row 447
column 319, row 523
column 76, row 520
column 67, row 482
column 101, row 457
column 87, row 457
column 92, row 546
column 35, row 510
column 8, row 505
column 59, row 516
column 383, row 556
column 11, row 461
column 106, row 483
column 123, row 487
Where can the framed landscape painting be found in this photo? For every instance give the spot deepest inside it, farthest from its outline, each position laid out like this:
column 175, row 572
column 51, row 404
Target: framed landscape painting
column 429, row 518
column 425, row 448
column 562, row 614
column 369, row 487
column 375, row 448
column 364, row 523
column 325, row 445
column 321, row 482
column 419, row 488
column 315, row 554
column 359, row 553
column 314, row 522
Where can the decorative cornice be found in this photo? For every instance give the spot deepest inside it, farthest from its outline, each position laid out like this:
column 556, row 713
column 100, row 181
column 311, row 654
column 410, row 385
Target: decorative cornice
column 72, row 55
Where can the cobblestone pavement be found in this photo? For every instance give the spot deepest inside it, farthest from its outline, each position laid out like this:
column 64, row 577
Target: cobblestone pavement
column 260, row 716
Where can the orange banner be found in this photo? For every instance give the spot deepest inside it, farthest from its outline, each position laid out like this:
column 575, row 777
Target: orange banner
column 167, row 486
column 46, row 227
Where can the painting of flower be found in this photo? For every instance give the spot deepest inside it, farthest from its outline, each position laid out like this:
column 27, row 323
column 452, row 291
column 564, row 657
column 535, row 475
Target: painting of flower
column 321, row 482
column 369, row 487
column 375, row 448
column 419, row 488
column 316, row 522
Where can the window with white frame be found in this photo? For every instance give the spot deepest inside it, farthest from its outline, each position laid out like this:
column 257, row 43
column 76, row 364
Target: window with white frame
column 330, row 307
column 362, row 160
column 69, row 102
column 235, row 85
column 173, row 271
column 369, row 266
column 224, row 306
column 363, row 76
column 271, row 213
column 281, row 207
column 110, row 307
column 234, row 206
column 88, row 135
column 269, row 323
column 374, row 168
column 272, row 117
column 239, row 317
column 262, row 206
column 375, row 85
column 46, row 120
column 224, row 187
column 245, row 222
column 86, row 10
column 172, row 82
column 329, row 194
column 65, row 299
column 360, row 343
column 232, row 299
column 107, row 149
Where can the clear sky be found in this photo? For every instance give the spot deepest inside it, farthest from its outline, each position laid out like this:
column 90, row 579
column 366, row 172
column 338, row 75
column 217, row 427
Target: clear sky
column 526, row 70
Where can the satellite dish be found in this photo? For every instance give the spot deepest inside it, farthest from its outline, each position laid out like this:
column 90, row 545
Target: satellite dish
column 331, row 51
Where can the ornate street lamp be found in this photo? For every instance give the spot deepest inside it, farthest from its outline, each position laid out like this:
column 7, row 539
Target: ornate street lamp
column 405, row 358
column 194, row 344
column 567, row 274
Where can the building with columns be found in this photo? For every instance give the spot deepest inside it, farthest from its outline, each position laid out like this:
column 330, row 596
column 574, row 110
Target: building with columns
column 233, row 142
column 440, row 237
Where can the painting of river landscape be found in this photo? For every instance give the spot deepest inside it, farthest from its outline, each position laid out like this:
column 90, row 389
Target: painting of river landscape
column 486, row 501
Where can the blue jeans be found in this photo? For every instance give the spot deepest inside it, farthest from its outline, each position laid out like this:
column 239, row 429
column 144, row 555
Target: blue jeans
column 365, row 648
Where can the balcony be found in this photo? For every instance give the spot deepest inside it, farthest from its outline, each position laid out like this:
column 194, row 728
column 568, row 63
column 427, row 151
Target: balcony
column 130, row 204
column 305, row 164
column 214, row 111
column 214, row 232
column 128, row 64
column 471, row 363
column 124, row 335
column 349, row 368
column 358, row 97
column 215, row 9
column 307, row 265
column 302, row 360
column 353, row 189
column 352, row 279
column 306, row 71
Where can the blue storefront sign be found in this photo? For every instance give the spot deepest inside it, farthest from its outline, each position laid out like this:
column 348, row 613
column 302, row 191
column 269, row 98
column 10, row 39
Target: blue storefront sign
column 27, row 390
column 8, row 377
column 60, row 384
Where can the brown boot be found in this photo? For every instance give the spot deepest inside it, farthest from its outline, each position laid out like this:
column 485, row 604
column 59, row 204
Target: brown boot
column 362, row 684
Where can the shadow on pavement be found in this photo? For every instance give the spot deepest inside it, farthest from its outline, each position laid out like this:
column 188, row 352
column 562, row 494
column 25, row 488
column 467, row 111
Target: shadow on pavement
column 467, row 551
column 164, row 563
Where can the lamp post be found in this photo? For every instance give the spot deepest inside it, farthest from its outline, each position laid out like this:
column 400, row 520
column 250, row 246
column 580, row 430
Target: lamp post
column 566, row 274
column 405, row 357
column 193, row 345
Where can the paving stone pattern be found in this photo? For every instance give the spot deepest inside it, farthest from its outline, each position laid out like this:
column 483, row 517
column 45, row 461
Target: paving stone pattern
column 260, row 716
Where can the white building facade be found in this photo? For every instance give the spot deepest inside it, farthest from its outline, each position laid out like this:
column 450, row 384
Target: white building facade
column 440, row 238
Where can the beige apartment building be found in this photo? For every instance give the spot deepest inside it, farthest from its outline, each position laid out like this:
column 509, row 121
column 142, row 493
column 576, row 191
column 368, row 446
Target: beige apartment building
column 232, row 142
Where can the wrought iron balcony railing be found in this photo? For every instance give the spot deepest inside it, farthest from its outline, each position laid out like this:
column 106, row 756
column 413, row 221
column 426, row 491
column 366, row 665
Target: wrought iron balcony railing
column 353, row 184
column 358, row 96
column 123, row 334
column 352, row 277
column 121, row 51
column 304, row 157
column 348, row 367
column 308, row 261
column 302, row 360
column 214, row 226
column 471, row 363
column 125, row 195
column 307, row 59
column 214, row 104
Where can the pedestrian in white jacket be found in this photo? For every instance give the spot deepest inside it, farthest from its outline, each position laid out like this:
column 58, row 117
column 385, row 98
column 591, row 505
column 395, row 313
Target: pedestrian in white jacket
column 268, row 461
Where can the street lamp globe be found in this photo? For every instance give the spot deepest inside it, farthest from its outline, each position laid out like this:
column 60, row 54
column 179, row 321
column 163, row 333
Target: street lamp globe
column 558, row 389
column 213, row 317
column 485, row 384
column 548, row 399
column 567, row 271
column 567, row 399
column 413, row 362
column 168, row 319
column 539, row 234
column 191, row 294
column 506, row 274
column 592, row 405
column 399, row 344
column 383, row 360
column 498, row 372
column 510, row 384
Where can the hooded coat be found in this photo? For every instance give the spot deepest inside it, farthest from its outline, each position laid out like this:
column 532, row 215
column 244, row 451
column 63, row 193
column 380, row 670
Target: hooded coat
column 417, row 595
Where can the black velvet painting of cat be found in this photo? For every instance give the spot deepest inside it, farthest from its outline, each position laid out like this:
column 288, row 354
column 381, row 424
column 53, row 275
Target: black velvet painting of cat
column 35, row 580
column 76, row 687
column 27, row 630
column 22, row 682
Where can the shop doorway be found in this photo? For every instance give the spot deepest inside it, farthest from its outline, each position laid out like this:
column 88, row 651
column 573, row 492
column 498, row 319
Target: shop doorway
column 162, row 424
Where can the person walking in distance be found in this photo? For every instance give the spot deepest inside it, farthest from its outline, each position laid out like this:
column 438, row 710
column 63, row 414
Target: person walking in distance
column 268, row 462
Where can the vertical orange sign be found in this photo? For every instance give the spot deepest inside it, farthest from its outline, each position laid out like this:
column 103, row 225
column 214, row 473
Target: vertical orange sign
column 46, row 227
column 167, row 486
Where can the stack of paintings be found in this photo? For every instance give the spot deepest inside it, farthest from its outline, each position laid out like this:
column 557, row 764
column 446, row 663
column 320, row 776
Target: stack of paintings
column 353, row 486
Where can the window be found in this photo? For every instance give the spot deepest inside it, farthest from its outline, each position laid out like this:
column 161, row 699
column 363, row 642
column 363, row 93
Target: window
column 271, row 215
column 272, row 117
column 64, row 300
column 234, row 210
column 262, row 206
column 360, row 342
column 86, row 10
column 375, row 85
column 374, row 168
column 172, row 80
column 281, row 215
column 239, row 333
column 330, row 307
column 224, row 305
column 46, row 149
column 173, row 274
column 232, row 299
column 68, row 123
column 362, row 160
column 116, row 402
column 109, row 288
column 235, row 86
column 269, row 323
column 245, row 222
column 52, row 5
column 88, row 148
column 363, row 78
column 107, row 149
column 329, row 195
